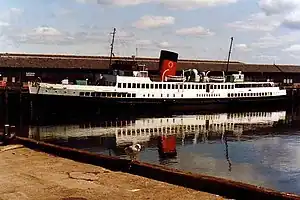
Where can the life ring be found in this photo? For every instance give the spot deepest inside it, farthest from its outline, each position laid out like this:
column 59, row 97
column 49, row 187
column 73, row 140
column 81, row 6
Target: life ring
column 170, row 64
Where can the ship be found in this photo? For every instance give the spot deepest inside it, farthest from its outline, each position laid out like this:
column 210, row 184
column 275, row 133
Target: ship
column 123, row 86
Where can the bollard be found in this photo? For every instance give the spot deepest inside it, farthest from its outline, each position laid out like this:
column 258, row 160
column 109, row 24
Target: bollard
column 2, row 138
column 4, row 135
column 12, row 132
column 6, row 130
column 8, row 135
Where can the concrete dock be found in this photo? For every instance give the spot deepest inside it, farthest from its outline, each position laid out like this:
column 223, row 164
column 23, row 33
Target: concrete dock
column 28, row 174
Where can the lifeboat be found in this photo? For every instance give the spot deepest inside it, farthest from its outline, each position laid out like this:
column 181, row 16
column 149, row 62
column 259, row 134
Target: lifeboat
column 175, row 78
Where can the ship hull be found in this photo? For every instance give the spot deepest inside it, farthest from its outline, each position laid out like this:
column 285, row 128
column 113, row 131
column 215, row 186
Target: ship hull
column 67, row 104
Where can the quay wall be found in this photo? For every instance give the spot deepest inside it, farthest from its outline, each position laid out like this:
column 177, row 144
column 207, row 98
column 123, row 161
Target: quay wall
column 219, row 186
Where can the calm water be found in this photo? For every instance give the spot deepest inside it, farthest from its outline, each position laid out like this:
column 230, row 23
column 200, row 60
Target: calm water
column 261, row 148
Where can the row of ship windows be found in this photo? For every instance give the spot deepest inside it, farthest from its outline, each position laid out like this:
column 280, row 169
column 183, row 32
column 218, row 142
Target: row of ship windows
column 208, row 95
column 174, row 128
column 161, row 95
column 190, row 86
column 145, row 131
column 201, row 117
column 127, row 123
column 249, row 94
column 250, row 114
column 111, row 94
column 172, row 86
column 106, row 94
column 130, row 126
column 253, row 85
column 209, row 117
column 57, row 91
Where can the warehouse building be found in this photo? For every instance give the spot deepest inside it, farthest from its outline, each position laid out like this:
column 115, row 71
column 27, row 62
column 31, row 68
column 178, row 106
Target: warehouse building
column 21, row 68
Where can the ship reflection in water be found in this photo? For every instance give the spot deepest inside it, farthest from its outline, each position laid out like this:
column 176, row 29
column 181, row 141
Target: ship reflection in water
column 251, row 147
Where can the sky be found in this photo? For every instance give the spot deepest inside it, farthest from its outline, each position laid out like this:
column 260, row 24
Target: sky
column 264, row 31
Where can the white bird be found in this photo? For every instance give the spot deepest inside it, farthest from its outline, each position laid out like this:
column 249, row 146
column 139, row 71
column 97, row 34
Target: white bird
column 133, row 150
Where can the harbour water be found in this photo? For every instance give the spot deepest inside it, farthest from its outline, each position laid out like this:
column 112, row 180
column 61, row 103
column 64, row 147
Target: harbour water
column 258, row 147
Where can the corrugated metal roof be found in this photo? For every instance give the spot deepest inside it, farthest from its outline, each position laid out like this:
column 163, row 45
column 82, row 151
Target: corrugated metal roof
column 102, row 62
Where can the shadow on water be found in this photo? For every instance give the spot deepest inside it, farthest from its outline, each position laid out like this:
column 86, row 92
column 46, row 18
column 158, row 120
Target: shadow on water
column 258, row 146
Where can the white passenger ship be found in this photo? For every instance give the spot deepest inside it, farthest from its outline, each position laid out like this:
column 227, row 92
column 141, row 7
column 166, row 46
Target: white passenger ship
column 139, row 88
column 189, row 88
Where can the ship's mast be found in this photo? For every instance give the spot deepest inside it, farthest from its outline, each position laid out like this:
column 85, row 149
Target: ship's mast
column 229, row 54
column 112, row 46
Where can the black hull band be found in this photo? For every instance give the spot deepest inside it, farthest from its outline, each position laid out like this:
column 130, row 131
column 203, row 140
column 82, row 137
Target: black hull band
column 67, row 102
